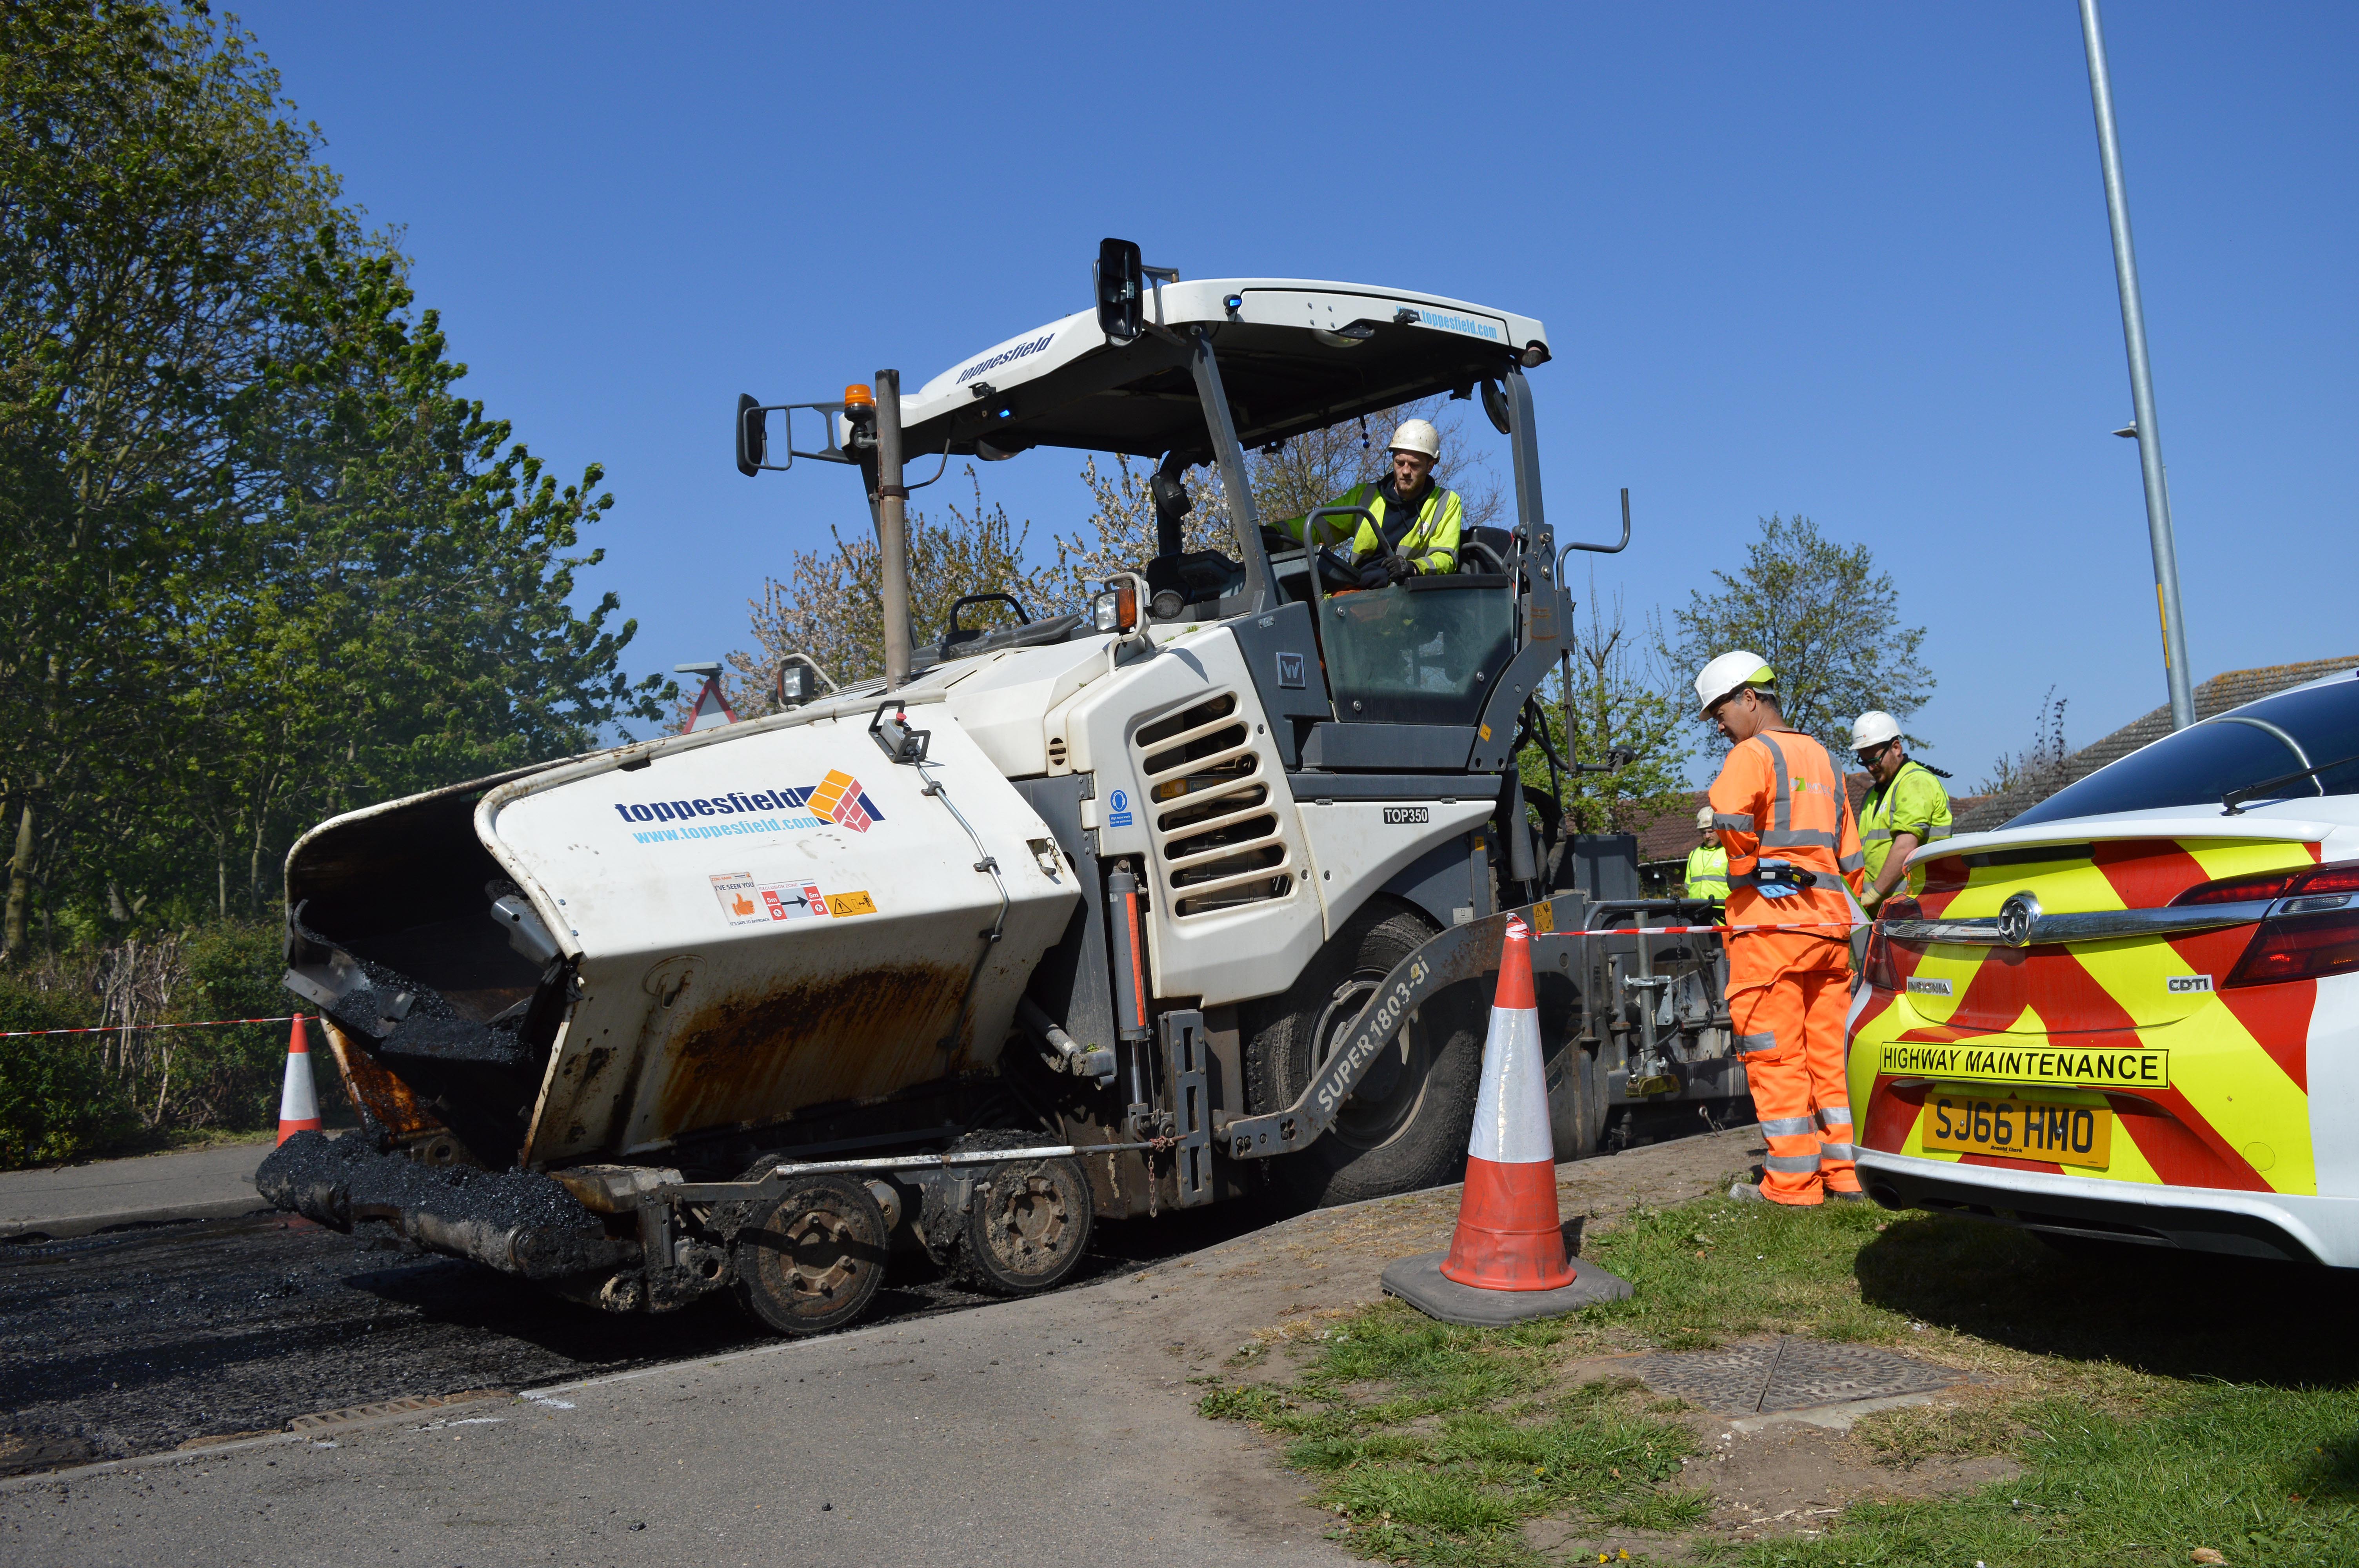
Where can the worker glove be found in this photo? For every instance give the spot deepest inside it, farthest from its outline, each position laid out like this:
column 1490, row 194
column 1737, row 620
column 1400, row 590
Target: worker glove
column 1777, row 879
column 1399, row 568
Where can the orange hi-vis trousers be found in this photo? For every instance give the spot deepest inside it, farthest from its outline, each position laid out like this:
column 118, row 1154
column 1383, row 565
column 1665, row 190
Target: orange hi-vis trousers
column 1789, row 1030
column 1780, row 797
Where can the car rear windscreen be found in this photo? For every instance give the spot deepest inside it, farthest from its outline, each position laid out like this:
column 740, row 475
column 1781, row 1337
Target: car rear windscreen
column 2261, row 741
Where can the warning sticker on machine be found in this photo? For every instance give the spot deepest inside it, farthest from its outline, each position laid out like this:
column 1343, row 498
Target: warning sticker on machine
column 746, row 902
column 844, row 903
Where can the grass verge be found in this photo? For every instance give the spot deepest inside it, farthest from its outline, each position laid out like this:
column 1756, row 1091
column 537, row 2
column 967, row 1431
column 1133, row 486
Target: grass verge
column 1433, row 1443
column 2158, row 1404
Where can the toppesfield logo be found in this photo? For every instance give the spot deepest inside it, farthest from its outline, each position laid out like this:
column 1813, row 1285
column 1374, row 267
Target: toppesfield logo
column 837, row 798
column 1006, row 356
column 841, row 799
column 1450, row 323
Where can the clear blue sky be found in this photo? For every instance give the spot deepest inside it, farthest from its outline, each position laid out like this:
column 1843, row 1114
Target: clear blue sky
column 1847, row 261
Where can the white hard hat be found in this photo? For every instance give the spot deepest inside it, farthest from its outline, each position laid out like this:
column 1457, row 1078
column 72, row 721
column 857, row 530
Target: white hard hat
column 1703, row 819
column 1416, row 435
column 1873, row 727
column 1727, row 673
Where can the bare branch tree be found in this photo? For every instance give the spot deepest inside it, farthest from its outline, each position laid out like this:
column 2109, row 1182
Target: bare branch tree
column 2038, row 767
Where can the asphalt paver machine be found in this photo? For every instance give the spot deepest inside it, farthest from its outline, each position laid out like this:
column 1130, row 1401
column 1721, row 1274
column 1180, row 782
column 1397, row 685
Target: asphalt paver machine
column 1111, row 913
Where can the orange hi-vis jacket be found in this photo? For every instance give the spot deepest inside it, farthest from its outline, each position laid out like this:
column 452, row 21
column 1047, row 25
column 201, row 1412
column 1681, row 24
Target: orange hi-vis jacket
column 1778, row 797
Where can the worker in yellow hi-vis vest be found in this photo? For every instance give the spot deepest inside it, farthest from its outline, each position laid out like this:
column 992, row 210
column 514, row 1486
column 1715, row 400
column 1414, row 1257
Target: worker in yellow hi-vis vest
column 1707, row 863
column 1418, row 521
column 1905, row 807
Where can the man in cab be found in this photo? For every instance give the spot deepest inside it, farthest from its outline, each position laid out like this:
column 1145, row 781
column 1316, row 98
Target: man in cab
column 1418, row 522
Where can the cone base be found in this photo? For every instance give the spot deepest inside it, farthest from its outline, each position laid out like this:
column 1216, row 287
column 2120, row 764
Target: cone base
column 1420, row 1283
column 288, row 1130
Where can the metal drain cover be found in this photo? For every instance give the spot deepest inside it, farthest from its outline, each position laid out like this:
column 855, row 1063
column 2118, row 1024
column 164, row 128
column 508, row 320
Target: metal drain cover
column 1789, row 1374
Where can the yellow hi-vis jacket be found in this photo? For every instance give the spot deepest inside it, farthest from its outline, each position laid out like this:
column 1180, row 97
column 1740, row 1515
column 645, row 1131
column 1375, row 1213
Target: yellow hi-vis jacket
column 1430, row 540
column 1914, row 801
column 1708, row 874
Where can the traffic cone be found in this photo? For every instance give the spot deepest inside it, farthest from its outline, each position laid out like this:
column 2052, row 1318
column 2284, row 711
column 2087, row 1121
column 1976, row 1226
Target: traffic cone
column 299, row 1101
column 1509, row 1234
column 1506, row 1260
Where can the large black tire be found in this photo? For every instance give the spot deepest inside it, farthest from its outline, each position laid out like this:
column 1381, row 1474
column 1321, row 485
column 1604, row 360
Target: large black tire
column 813, row 1260
column 1405, row 1128
column 1027, row 1225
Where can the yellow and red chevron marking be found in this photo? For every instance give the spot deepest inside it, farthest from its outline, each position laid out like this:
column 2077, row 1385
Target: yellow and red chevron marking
column 2236, row 1113
column 837, row 798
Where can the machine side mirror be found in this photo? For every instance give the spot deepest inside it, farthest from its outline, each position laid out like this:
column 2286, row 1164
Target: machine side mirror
column 1122, row 291
column 1171, row 497
column 753, row 441
column 1494, row 405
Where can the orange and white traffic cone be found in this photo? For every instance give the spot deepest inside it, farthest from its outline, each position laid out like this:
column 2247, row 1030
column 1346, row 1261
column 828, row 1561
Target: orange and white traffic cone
column 299, row 1101
column 1506, row 1260
column 1510, row 1236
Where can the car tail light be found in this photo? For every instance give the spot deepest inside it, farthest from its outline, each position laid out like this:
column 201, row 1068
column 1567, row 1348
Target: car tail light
column 2313, row 931
column 1947, row 874
column 2300, row 948
column 2237, row 890
column 2341, row 877
column 1879, row 968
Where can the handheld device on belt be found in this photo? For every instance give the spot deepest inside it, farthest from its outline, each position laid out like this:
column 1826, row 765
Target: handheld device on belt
column 1771, row 874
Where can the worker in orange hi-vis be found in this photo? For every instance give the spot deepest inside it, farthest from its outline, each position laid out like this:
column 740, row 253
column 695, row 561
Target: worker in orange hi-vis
column 1792, row 847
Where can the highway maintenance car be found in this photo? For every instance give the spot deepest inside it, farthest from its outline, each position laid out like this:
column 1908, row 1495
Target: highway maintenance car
column 1098, row 914
column 2132, row 1014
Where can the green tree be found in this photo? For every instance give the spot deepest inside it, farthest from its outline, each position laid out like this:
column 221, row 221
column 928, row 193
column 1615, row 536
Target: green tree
column 259, row 560
column 149, row 192
column 1824, row 617
column 395, row 615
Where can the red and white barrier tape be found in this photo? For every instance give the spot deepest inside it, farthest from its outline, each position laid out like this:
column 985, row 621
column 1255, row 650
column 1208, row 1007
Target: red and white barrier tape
column 1845, row 926
column 118, row 1028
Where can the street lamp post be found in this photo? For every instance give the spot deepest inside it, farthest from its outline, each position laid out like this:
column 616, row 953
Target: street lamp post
column 2146, row 428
